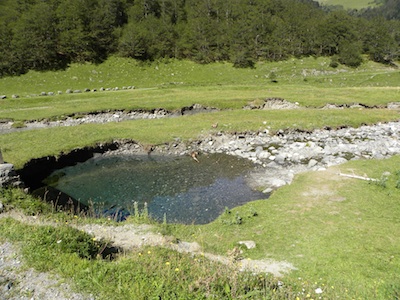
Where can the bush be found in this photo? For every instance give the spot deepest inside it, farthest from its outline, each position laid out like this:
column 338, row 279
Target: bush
column 334, row 62
column 350, row 55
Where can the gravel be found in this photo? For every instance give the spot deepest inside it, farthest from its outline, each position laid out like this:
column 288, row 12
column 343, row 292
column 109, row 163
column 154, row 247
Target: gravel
column 18, row 282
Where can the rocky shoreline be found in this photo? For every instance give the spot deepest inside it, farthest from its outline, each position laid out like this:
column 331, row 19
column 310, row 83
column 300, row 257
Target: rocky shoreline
column 282, row 155
column 278, row 155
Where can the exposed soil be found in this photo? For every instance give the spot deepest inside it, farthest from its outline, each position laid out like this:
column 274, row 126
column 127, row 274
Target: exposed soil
column 17, row 282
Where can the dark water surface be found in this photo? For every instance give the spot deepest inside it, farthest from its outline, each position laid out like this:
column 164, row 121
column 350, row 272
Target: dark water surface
column 186, row 191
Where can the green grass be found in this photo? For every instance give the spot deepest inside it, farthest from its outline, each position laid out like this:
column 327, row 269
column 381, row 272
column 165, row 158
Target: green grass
column 349, row 4
column 18, row 148
column 341, row 234
column 147, row 273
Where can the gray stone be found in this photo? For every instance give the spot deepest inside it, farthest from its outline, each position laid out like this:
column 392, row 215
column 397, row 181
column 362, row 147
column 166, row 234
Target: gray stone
column 248, row 244
column 15, row 96
column 264, row 155
column 276, row 182
column 1, row 207
column 8, row 176
column 312, row 163
column 267, row 190
column 3, row 97
column 280, row 158
column 50, row 93
column 43, row 94
column 77, row 91
column 69, row 91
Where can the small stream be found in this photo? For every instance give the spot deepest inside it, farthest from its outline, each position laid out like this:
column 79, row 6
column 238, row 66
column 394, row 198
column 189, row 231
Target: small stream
column 183, row 190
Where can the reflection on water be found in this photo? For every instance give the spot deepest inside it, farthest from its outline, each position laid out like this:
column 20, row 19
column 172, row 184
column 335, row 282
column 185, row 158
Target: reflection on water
column 184, row 190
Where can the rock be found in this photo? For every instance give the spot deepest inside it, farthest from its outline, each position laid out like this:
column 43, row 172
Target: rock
column 1, row 207
column 43, row 94
column 8, row 176
column 264, row 155
column 280, row 158
column 268, row 190
column 15, row 96
column 3, row 96
column 312, row 163
column 393, row 105
column 69, row 91
column 248, row 244
column 77, row 91
column 50, row 93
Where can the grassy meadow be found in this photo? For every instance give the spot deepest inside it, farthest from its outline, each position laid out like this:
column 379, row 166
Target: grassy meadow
column 349, row 4
column 341, row 234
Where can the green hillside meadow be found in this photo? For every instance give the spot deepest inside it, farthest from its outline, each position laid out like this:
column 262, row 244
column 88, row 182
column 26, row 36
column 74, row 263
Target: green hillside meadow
column 353, row 4
column 341, row 234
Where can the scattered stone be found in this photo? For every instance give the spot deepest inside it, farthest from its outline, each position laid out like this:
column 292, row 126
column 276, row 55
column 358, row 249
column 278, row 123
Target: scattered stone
column 393, row 105
column 15, row 96
column 69, row 91
column 3, row 97
column 77, row 91
column 272, row 103
column 50, row 93
column 43, row 94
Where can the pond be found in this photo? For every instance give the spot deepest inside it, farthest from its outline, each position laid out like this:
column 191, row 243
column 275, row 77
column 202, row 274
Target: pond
column 176, row 188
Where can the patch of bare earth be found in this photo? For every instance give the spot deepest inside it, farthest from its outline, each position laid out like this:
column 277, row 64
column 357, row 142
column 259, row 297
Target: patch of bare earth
column 125, row 237
column 322, row 187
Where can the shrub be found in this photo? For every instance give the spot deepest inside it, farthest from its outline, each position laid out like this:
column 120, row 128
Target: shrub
column 350, row 55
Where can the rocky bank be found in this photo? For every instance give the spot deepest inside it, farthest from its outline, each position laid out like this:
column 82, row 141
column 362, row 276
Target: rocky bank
column 279, row 156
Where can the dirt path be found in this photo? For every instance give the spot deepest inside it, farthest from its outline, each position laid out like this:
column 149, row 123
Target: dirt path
column 18, row 283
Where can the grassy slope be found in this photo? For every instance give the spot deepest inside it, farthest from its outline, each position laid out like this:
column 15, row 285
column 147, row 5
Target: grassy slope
column 348, row 4
column 310, row 82
column 340, row 233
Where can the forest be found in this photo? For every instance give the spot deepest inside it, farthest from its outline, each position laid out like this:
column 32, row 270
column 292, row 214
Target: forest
column 51, row 34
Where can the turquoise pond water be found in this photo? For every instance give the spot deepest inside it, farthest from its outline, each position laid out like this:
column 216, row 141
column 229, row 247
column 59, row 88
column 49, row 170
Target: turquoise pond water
column 178, row 187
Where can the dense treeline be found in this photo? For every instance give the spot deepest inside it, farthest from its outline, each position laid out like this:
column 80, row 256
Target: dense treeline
column 43, row 35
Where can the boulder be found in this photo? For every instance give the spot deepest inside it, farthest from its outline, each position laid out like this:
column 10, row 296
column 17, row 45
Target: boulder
column 8, row 176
